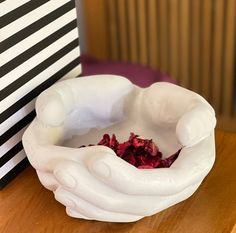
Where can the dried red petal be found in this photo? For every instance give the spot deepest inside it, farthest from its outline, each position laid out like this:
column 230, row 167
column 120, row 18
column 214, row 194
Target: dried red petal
column 110, row 142
column 130, row 158
column 159, row 154
column 148, row 160
column 122, row 148
column 151, row 148
column 138, row 142
column 113, row 142
column 145, row 167
column 105, row 140
column 142, row 153
column 168, row 161
column 132, row 136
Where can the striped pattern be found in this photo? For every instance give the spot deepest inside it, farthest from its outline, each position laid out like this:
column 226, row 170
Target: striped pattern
column 39, row 46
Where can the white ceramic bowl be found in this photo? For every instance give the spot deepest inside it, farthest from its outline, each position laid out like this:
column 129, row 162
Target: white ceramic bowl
column 92, row 182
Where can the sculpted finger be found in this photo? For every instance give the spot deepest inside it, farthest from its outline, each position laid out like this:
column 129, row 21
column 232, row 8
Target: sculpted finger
column 39, row 144
column 174, row 199
column 50, row 108
column 75, row 214
column 76, row 179
column 195, row 125
column 190, row 168
column 83, row 208
column 165, row 103
column 47, row 180
column 77, row 205
column 84, row 95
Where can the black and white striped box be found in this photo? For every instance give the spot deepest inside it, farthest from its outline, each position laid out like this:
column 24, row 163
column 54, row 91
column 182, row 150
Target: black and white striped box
column 39, row 46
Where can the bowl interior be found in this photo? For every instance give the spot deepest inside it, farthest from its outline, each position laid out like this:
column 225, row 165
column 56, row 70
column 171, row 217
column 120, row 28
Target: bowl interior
column 164, row 138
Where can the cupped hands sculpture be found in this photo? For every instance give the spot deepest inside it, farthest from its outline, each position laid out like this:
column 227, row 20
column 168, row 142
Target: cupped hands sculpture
column 92, row 182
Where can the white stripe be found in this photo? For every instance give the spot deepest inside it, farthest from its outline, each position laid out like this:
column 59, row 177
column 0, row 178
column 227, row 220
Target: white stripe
column 9, row 6
column 11, row 99
column 21, row 113
column 31, row 17
column 36, row 37
column 17, row 116
column 17, row 137
column 11, row 142
column 38, row 58
column 12, row 163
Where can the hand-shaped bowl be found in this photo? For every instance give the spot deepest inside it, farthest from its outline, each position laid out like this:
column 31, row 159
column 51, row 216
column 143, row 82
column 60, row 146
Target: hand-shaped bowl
column 92, row 182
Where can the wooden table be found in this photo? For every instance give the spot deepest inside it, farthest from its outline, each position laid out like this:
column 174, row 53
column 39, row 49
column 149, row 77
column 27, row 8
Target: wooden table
column 25, row 206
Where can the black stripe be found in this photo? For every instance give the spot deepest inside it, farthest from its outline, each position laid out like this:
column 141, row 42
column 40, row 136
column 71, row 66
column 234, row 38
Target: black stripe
column 35, row 92
column 13, row 173
column 22, row 34
column 38, row 69
column 37, row 48
column 11, row 153
column 20, row 11
column 17, row 127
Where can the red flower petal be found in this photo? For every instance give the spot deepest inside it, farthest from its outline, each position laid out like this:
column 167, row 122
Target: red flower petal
column 105, row 140
column 145, row 167
column 132, row 136
column 130, row 158
column 168, row 161
column 148, row 160
column 142, row 153
column 138, row 142
column 151, row 148
column 122, row 148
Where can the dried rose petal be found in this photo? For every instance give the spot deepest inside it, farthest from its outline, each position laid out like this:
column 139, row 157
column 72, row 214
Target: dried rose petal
column 151, row 148
column 132, row 136
column 148, row 160
column 168, row 161
column 105, row 140
column 145, row 167
column 113, row 142
column 130, row 158
column 110, row 142
column 142, row 153
column 138, row 142
column 122, row 148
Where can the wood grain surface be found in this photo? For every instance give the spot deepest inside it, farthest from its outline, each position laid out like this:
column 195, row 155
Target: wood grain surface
column 25, row 206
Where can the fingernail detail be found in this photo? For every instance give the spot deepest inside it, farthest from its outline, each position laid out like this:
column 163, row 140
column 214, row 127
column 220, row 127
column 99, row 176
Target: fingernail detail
column 101, row 169
column 66, row 180
column 69, row 203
